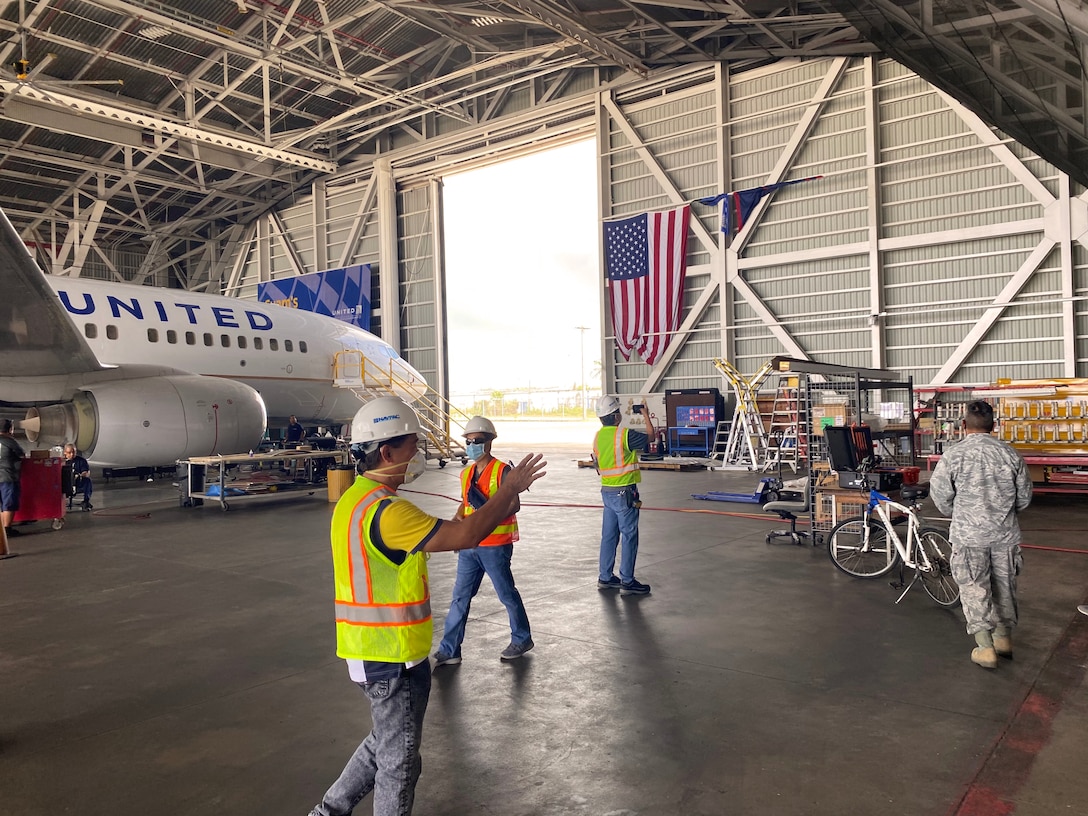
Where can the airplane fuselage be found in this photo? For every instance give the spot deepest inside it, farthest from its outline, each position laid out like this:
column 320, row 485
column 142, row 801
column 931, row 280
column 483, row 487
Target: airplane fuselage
column 285, row 354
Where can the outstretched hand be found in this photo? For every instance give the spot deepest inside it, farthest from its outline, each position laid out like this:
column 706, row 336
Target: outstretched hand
column 527, row 471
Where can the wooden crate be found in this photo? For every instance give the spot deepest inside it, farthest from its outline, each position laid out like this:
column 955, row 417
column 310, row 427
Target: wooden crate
column 835, row 506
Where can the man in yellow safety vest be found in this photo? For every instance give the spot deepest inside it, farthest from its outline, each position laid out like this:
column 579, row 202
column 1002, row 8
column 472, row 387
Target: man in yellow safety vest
column 479, row 482
column 383, row 603
column 615, row 453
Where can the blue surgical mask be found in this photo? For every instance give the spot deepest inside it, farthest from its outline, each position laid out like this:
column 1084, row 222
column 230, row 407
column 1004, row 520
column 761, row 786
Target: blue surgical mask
column 474, row 450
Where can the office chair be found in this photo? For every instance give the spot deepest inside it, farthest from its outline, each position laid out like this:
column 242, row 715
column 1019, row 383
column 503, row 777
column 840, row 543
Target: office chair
column 790, row 510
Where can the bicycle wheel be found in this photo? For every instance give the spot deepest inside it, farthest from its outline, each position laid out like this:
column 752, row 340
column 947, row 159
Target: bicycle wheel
column 937, row 581
column 858, row 554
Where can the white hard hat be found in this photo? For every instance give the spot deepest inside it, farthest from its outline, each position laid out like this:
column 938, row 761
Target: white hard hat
column 607, row 405
column 383, row 418
column 479, row 424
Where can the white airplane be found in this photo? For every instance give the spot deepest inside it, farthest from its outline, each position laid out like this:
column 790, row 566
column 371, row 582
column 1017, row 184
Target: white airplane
column 139, row 375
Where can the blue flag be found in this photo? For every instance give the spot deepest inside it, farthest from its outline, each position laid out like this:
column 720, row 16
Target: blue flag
column 737, row 206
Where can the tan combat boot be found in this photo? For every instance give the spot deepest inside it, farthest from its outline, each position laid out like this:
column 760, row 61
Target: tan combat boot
column 984, row 653
column 1003, row 642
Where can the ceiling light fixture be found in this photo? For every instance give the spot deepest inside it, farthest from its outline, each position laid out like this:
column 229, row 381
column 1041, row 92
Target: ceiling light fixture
column 480, row 22
column 153, row 32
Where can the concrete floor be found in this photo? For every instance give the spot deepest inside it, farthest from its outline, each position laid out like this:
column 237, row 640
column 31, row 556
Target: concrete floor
column 155, row 659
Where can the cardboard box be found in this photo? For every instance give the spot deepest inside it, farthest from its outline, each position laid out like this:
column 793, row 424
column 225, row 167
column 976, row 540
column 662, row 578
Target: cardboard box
column 824, row 415
column 41, row 454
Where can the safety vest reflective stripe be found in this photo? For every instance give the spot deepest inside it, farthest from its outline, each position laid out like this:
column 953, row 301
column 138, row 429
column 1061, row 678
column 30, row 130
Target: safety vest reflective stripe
column 361, row 590
column 507, row 530
column 383, row 615
column 621, row 467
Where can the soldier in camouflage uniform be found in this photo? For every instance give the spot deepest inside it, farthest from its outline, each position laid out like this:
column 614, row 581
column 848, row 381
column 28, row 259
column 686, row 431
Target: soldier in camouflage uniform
column 982, row 483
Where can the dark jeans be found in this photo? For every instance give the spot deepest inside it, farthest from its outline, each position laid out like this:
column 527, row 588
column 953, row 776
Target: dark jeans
column 471, row 566
column 387, row 761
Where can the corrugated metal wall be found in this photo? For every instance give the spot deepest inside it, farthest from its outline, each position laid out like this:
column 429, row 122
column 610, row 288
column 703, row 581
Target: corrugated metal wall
column 931, row 245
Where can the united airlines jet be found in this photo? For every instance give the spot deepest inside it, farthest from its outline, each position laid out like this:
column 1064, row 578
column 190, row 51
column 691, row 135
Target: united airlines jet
column 137, row 375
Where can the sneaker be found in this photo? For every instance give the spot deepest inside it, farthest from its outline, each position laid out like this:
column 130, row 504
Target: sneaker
column 516, row 650
column 611, row 583
column 634, row 588
column 443, row 659
column 86, row 506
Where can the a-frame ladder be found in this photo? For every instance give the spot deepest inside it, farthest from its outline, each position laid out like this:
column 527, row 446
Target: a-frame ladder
column 747, row 443
column 783, row 429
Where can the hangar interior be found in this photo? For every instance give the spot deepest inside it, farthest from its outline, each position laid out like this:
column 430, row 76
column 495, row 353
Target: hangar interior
column 212, row 145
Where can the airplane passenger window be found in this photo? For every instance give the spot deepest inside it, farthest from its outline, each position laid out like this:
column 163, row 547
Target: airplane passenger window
column 225, row 340
column 153, row 335
column 241, row 341
column 273, row 344
column 258, row 343
column 91, row 330
column 302, row 346
column 171, row 336
column 190, row 339
column 208, row 339
column 111, row 332
column 288, row 346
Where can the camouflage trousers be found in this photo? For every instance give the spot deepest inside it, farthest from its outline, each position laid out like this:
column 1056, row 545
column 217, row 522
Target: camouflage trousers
column 987, row 581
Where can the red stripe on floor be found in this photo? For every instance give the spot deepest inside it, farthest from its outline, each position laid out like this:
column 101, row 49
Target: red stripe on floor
column 1008, row 767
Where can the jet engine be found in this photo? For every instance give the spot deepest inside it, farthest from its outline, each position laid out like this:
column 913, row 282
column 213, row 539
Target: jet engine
column 153, row 420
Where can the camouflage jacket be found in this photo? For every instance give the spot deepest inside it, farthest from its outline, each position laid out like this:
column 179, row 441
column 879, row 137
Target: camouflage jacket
column 982, row 483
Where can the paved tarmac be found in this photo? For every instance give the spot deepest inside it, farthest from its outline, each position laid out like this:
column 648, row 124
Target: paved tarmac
column 159, row 659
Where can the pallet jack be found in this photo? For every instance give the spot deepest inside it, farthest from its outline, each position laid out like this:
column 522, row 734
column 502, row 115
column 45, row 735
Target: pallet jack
column 769, row 489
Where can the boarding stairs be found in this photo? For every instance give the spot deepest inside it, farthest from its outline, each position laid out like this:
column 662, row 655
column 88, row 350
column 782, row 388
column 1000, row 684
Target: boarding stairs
column 443, row 424
column 747, row 444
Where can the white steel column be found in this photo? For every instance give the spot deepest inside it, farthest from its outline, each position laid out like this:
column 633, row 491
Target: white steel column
column 441, row 331
column 388, row 263
column 1069, row 326
column 319, row 213
column 872, row 181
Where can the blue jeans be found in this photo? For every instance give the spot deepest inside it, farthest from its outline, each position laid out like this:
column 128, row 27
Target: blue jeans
column 388, row 760
column 471, row 566
column 619, row 519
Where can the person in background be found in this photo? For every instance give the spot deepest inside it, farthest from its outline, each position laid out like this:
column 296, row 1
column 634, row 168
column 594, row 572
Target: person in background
column 615, row 455
column 380, row 543
column 81, row 475
column 11, row 464
column 983, row 483
column 295, row 431
column 479, row 482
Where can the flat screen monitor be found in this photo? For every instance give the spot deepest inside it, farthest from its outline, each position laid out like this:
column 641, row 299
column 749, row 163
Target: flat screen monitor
column 695, row 416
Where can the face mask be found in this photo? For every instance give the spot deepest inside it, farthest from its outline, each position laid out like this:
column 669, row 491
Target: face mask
column 474, row 450
column 417, row 465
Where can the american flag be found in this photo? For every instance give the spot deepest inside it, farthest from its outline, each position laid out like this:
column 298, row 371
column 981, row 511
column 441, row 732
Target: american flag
column 646, row 257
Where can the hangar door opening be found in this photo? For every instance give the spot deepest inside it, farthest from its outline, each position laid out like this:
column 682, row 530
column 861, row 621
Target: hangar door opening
column 522, row 292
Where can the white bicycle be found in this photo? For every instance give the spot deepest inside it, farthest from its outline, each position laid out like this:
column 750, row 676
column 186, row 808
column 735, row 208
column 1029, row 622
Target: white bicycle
column 869, row 546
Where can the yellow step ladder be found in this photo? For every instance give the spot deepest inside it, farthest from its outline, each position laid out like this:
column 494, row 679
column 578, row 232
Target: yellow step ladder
column 747, row 443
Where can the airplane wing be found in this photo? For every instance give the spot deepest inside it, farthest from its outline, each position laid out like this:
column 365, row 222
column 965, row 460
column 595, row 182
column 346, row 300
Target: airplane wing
column 36, row 336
